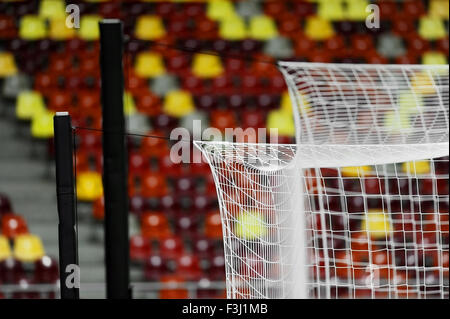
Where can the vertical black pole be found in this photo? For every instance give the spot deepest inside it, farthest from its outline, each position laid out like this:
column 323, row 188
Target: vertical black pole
column 114, row 161
column 67, row 236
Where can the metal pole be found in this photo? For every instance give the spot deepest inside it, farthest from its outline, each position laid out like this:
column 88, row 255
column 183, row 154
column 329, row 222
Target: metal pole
column 65, row 192
column 114, row 161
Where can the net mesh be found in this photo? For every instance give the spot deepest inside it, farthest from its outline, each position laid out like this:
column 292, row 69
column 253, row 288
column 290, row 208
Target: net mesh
column 358, row 208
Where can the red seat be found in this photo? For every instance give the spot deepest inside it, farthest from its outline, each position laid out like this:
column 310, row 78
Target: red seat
column 275, row 8
column 303, row 45
column 335, row 44
column 188, row 267
column 154, row 225
column 413, row 9
column 13, row 225
column 207, row 102
column 137, row 204
column 154, row 147
column 362, row 43
column 174, row 288
column 59, row 100
column 140, row 248
column 288, row 25
column 155, row 268
column 147, row 102
column 89, row 102
column 222, row 119
column 168, row 167
column 203, row 247
column 44, row 82
column 193, row 84
column 217, row 267
column 223, row 84
column 11, row 270
column 135, row 84
column 153, row 184
column 137, row 163
column 110, row 10
column 46, row 271
column 205, row 28
column 184, row 186
column 442, row 45
column 171, row 247
column 403, row 27
column 303, row 9
column 186, row 224
column 388, row 10
column 417, row 45
column 213, row 225
column 253, row 118
column 8, row 29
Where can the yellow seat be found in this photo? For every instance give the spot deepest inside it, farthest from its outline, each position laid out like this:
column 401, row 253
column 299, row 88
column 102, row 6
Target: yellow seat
column 42, row 124
column 220, row 10
column 434, row 58
column 51, row 9
column 178, row 103
column 331, row 10
column 28, row 248
column 233, row 29
column 250, row 225
column 7, row 64
column 58, row 30
column 89, row 186
column 129, row 107
column 356, row 10
column 89, row 29
column 32, row 27
column 410, row 102
column 303, row 103
column 149, row 27
column 207, row 66
column 423, row 83
column 416, row 167
column 377, row 224
column 262, row 28
column 29, row 104
column 397, row 122
column 318, row 29
column 432, row 28
column 439, row 9
column 356, row 171
column 5, row 249
column 282, row 121
column 149, row 65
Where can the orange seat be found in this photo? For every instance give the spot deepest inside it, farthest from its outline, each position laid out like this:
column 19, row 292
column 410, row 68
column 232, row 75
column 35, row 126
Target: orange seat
column 213, row 225
column 154, row 225
column 173, row 288
column 13, row 225
column 154, row 185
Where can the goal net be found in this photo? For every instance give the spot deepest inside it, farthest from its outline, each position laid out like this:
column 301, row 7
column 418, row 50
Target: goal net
column 358, row 207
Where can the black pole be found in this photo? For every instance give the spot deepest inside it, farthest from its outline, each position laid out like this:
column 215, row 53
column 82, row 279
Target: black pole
column 114, row 161
column 65, row 192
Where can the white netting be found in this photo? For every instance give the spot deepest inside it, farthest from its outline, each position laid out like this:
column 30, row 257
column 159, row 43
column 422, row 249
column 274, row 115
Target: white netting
column 359, row 207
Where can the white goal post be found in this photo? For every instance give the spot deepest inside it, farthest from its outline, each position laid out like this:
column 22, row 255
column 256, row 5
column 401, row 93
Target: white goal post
column 358, row 207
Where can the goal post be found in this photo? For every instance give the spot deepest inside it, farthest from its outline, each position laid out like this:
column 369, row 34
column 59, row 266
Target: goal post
column 358, row 207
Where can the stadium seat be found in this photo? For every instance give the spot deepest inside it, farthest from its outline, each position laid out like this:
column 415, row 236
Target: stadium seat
column 422, row 83
column 414, row 9
column 7, row 64
column 390, row 46
column 220, row 10
column 154, row 225
column 304, row 9
column 98, row 209
column 89, row 186
column 32, row 27
column 28, row 248
column 222, row 119
column 140, row 248
column 281, row 121
column 318, row 29
column 217, row 268
column 89, row 30
column 129, row 107
column 154, row 185
column 203, row 247
column 262, row 28
column 356, row 10
column 58, row 30
column 188, row 121
column 5, row 249
column 29, row 104
column 59, row 100
column 233, row 29
column 416, row 167
column 356, row 171
column 13, row 225
column 442, row 45
column 149, row 27
column 434, row 58
column 51, row 9
column 178, row 103
column 207, row 66
column 331, row 10
column 439, row 9
column 171, row 247
column 279, row 48
column 213, row 225
column 11, row 270
column 8, row 28
column 149, row 65
column 42, row 125
column 163, row 84
column 188, row 267
column 46, row 271
column 431, row 28
column 174, row 288
column 155, row 267
column 247, row 9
